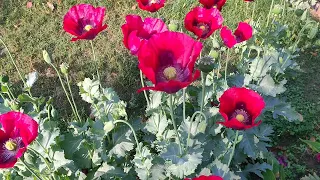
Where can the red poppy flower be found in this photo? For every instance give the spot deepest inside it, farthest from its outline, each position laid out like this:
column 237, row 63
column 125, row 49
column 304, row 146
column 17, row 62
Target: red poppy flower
column 168, row 59
column 242, row 33
column 205, row 178
column 213, row 3
column 84, row 21
column 203, row 22
column 248, row 0
column 17, row 132
column 240, row 107
column 136, row 32
column 150, row 5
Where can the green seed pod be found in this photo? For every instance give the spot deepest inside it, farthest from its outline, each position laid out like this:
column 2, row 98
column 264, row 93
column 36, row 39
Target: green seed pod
column 214, row 54
column 173, row 26
column 299, row 12
column 206, row 64
column 4, row 79
column 46, row 56
column 277, row 9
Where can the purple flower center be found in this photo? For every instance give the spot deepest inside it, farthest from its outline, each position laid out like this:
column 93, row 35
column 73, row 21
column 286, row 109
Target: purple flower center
column 9, row 149
column 204, row 27
column 153, row 2
column 241, row 114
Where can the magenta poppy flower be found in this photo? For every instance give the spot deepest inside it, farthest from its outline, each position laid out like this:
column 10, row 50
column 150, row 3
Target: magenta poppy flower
column 213, row 3
column 17, row 132
column 203, row 22
column 136, row 32
column 248, row 0
column 84, row 21
column 240, row 107
column 168, row 59
column 151, row 5
column 242, row 33
column 318, row 157
column 205, row 178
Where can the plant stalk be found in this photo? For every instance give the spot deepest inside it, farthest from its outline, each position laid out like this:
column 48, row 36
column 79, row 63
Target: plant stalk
column 74, row 103
column 226, row 67
column 233, row 148
column 29, row 169
column 203, row 79
column 95, row 60
column 173, row 121
column 269, row 14
column 191, row 120
column 144, row 92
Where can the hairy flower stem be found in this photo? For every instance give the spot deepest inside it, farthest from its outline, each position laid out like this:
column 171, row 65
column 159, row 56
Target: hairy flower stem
column 253, row 10
column 226, row 68
column 95, row 60
column 233, row 148
column 173, row 121
column 203, row 79
column 134, row 133
column 65, row 91
column 269, row 14
column 30, row 170
column 184, row 103
column 15, row 65
column 144, row 92
column 191, row 120
column 43, row 158
column 74, row 103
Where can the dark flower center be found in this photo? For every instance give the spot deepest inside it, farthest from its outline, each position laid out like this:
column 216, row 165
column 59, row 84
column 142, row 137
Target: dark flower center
column 241, row 114
column 204, row 27
column 10, row 148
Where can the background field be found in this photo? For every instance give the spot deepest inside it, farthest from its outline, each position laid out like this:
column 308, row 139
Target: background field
column 28, row 31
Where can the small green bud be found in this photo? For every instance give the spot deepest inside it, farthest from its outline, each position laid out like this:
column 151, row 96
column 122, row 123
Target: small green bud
column 108, row 126
column 214, row 54
column 14, row 105
column 277, row 9
column 46, row 56
column 173, row 26
column 299, row 12
column 64, row 68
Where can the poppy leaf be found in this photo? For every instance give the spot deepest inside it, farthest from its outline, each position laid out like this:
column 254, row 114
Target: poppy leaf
column 220, row 169
column 122, row 142
column 313, row 145
column 107, row 171
column 257, row 168
column 143, row 163
column 157, row 124
column 268, row 87
column 71, row 144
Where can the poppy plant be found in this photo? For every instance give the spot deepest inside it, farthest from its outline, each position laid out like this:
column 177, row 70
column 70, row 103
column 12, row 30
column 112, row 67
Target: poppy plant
column 151, row 5
column 17, row 132
column 168, row 59
column 136, row 31
column 205, row 178
column 203, row 22
column 240, row 107
column 213, row 3
column 242, row 33
column 84, row 21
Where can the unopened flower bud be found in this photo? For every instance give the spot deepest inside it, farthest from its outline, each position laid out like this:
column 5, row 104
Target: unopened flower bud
column 108, row 126
column 173, row 26
column 46, row 56
column 64, row 68
column 206, row 64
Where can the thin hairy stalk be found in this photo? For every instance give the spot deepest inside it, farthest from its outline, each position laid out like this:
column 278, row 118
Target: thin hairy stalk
column 74, row 103
column 191, row 120
column 134, row 133
column 173, row 121
column 269, row 14
column 30, row 170
column 95, row 60
column 226, row 67
column 144, row 92
column 233, row 148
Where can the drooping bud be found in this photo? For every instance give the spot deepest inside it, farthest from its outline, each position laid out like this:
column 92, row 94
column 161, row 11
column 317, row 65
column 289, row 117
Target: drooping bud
column 108, row 126
column 46, row 56
column 64, row 68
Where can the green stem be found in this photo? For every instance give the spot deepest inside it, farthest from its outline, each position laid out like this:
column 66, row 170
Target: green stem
column 173, row 121
column 184, row 103
column 134, row 133
column 64, row 89
column 10, row 92
column 15, row 65
column 253, row 11
column 203, row 79
column 95, row 60
column 74, row 103
column 226, row 67
column 247, row 8
column 29, row 169
column 233, row 148
column 269, row 14
column 191, row 120
column 144, row 92
column 45, row 150
column 43, row 158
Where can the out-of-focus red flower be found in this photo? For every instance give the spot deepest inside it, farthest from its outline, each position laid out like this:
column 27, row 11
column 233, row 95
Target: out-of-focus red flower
column 240, row 107
column 213, row 3
column 29, row 4
column 318, row 157
column 203, row 22
column 205, row 178
column 248, row 0
column 242, row 33
column 168, row 59
column 17, row 132
column 84, row 21
column 151, row 5
column 136, row 32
